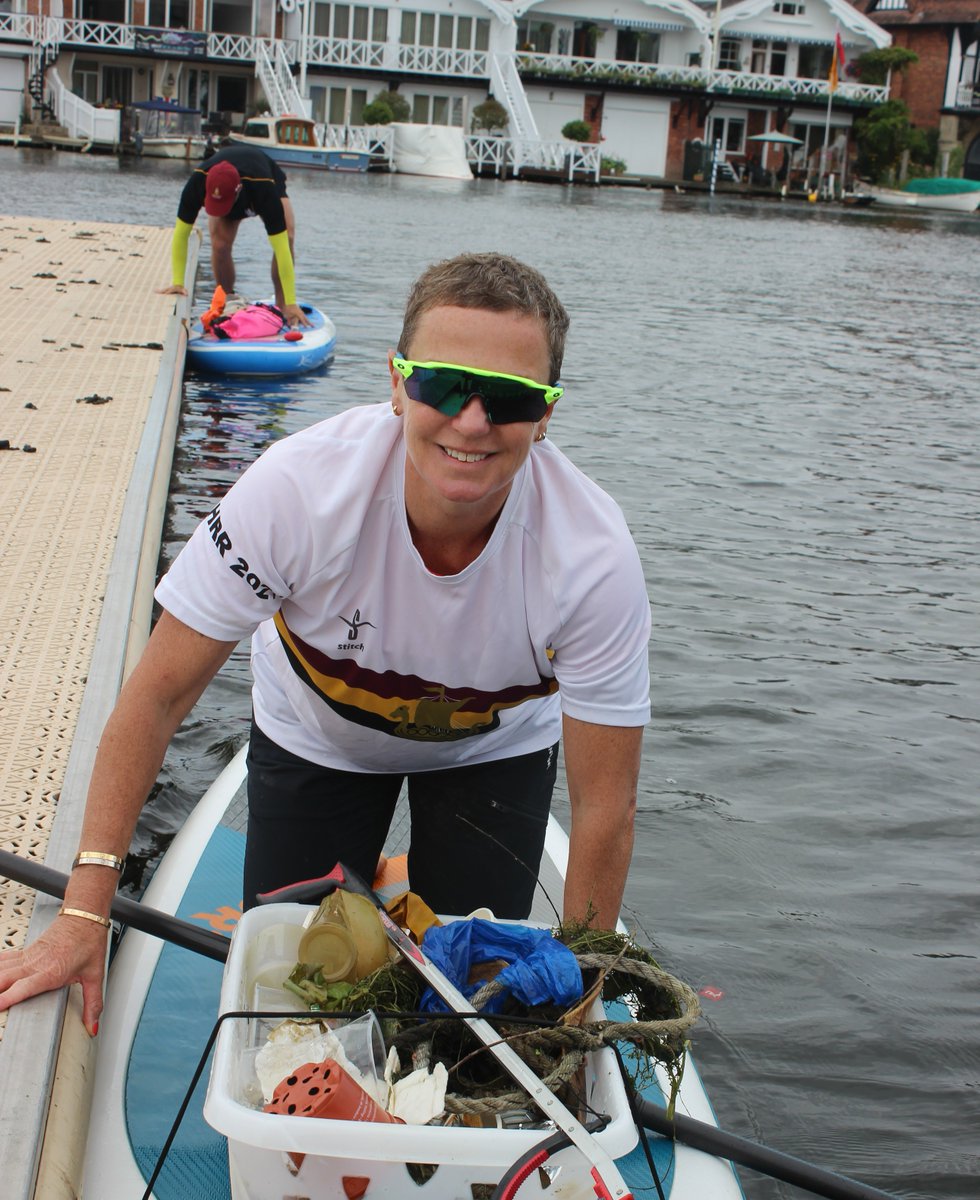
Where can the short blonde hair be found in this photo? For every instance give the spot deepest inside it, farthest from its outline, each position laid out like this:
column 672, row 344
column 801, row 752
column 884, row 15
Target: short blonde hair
column 492, row 281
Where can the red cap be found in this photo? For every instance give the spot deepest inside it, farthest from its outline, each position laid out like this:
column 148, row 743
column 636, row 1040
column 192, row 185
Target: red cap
column 221, row 189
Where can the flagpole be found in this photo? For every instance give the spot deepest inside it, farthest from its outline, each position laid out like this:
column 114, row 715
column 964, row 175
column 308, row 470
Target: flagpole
column 831, row 88
column 826, row 141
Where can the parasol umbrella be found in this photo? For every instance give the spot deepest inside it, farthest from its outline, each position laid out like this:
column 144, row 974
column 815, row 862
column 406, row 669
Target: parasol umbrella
column 778, row 139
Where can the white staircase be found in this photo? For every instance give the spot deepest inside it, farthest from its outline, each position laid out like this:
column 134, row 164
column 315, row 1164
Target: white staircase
column 273, row 72
column 508, row 89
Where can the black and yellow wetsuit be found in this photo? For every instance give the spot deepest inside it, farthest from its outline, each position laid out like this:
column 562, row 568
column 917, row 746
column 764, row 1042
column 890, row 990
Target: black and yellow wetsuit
column 263, row 189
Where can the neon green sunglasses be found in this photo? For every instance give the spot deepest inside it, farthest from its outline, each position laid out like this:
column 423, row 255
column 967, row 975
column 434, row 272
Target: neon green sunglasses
column 447, row 387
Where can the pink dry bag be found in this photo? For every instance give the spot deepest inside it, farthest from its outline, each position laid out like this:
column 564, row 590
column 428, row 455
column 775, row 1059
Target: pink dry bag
column 252, row 321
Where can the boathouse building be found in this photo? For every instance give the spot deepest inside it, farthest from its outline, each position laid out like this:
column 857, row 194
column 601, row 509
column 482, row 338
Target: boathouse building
column 651, row 78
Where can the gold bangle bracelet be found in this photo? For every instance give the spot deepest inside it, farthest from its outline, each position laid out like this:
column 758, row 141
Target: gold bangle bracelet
column 96, row 858
column 80, row 912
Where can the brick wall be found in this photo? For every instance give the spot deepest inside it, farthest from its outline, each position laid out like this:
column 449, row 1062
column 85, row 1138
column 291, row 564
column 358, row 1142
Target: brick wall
column 922, row 85
column 686, row 123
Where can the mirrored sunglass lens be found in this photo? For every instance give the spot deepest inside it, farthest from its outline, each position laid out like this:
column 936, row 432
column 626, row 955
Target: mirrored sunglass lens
column 508, row 401
column 438, row 387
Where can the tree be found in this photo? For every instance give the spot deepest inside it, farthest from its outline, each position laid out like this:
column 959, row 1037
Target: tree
column 873, row 66
column 883, row 136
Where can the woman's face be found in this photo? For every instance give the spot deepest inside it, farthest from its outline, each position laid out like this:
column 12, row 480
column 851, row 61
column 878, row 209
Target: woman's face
column 463, row 466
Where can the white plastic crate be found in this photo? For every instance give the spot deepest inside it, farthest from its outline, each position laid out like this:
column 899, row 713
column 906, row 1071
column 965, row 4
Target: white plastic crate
column 260, row 1144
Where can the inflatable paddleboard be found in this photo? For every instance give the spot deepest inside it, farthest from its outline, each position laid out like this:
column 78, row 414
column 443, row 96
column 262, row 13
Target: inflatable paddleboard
column 162, row 1002
column 284, row 354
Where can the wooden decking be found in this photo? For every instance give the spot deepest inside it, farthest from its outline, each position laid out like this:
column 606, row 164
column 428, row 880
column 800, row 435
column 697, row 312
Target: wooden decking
column 90, row 365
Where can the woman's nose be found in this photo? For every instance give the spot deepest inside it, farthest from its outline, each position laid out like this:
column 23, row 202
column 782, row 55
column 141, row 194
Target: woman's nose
column 473, row 414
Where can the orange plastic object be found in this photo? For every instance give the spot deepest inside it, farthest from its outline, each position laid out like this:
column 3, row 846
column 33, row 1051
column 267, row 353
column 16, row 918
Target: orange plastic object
column 293, row 335
column 216, row 309
column 355, row 1186
column 326, row 1090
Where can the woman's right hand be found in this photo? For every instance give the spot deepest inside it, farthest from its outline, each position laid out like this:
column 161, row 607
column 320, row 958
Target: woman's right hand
column 71, row 950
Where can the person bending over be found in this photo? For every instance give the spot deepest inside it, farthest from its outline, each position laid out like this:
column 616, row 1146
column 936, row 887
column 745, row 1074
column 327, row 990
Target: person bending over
column 238, row 182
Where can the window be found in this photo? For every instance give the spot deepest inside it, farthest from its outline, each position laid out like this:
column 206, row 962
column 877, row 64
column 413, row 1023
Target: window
column 379, row 25
column 440, row 110
column 169, row 14
column 768, row 58
column 198, row 88
column 535, row 35
column 464, row 33
column 427, row 29
column 117, row 84
column 634, row 45
column 730, row 55
column 232, row 93
column 445, row 32
column 85, row 81
column 420, row 109
column 337, row 107
column 730, row 131
column 791, row 8
column 482, row 34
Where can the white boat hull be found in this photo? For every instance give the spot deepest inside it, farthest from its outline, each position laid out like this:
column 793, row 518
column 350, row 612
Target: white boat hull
column 961, row 202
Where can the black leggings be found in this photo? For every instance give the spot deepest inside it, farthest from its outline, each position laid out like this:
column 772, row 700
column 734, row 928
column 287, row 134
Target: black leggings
column 476, row 839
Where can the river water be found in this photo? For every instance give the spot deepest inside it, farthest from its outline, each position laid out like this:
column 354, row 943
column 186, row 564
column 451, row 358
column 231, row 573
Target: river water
column 783, row 400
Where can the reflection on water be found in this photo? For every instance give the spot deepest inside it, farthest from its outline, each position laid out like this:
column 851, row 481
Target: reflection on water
column 781, row 397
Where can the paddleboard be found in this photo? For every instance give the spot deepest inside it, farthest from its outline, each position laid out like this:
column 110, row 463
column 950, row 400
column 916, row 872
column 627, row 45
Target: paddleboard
column 284, row 354
column 162, row 1002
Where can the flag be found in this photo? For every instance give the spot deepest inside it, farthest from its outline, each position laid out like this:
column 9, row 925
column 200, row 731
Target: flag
column 836, row 62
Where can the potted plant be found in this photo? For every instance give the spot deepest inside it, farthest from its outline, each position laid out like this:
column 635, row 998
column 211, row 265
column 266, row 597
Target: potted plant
column 490, row 116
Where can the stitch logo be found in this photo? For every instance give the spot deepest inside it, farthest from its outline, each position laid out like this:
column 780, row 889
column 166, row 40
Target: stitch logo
column 354, row 625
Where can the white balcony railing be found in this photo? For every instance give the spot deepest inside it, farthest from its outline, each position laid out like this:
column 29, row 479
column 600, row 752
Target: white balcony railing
column 435, row 60
column 341, row 52
column 736, row 82
column 968, row 95
column 18, row 27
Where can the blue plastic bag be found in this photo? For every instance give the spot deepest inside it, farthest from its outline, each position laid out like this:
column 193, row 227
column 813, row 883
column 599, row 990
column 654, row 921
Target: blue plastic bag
column 541, row 969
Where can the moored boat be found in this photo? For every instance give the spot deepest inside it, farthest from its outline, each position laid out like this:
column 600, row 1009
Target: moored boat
column 945, row 195
column 162, row 1002
column 166, row 130
column 293, row 142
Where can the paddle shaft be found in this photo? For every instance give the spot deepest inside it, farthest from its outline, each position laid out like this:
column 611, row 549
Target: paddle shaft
column 712, row 1140
column 127, row 912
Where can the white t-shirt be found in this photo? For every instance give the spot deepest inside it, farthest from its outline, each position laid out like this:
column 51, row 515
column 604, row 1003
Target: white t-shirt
column 362, row 659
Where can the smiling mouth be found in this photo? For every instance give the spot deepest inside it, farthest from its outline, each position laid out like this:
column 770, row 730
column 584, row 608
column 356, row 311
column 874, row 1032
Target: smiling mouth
column 460, row 456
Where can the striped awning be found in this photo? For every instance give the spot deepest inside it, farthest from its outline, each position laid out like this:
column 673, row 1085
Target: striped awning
column 769, row 36
column 644, row 26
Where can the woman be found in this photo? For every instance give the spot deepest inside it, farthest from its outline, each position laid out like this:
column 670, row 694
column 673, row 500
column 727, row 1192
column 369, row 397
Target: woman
column 434, row 592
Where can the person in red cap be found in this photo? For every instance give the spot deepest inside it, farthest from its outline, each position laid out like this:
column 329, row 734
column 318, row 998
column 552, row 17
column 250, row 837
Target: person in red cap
column 238, row 182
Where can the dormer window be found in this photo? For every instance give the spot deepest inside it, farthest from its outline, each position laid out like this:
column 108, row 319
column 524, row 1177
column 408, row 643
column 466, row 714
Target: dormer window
column 789, row 8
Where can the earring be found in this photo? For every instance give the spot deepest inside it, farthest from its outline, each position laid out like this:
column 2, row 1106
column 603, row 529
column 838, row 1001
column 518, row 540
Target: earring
column 540, row 437
column 396, row 410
